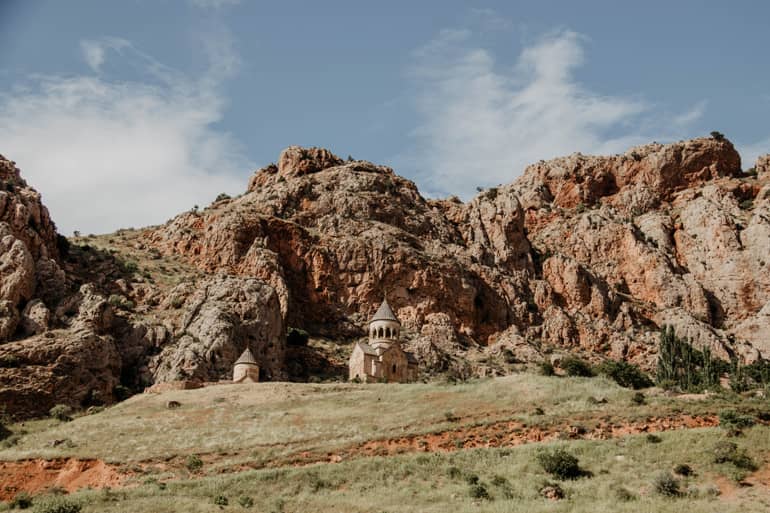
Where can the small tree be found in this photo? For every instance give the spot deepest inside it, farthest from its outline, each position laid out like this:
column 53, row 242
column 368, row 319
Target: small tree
column 560, row 464
column 574, row 366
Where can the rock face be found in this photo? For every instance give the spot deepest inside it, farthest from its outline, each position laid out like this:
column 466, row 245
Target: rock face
column 332, row 237
column 223, row 316
column 28, row 249
column 581, row 253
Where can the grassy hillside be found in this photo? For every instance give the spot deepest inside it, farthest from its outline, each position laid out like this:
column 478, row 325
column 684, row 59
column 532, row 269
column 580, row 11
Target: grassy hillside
column 422, row 447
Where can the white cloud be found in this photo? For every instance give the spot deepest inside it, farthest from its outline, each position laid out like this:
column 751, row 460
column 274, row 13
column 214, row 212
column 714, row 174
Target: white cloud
column 750, row 152
column 109, row 154
column 692, row 115
column 94, row 50
column 482, row 126
column 215, row 4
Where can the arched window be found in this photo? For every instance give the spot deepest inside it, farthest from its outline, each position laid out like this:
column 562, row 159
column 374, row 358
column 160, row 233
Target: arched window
column 394, row 368
column 379, row 334
column 395, row 333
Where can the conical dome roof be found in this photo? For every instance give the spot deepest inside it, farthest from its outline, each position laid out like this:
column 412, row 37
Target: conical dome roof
column 247, row 358
column 384, row 313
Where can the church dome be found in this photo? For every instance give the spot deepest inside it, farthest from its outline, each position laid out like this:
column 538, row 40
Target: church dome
column 384, row 313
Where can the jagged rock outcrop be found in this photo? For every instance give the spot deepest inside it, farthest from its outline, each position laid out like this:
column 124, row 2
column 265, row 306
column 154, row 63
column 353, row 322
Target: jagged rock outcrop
column 223, row 316
column 581, row 253
column 28, row 249
column 331, row 240
column 762, row 167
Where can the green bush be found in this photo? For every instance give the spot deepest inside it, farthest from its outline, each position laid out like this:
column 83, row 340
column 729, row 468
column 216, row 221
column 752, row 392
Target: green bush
column 574, row 366
column 718, row 136
column 728, row 452
column 625, row 374
column 61, row 412
column 683, row 469
column 245, row 501
column 546, row 369
column 57, row 505
column 21, row 501
column 4, row 432
column 734, row 422
column 638, row 399
column 222, row 196
column 746, row 204
column 478, row 491
column 653, row 439
column 560, row 464
column 193, row 463
column 297, row 337
column 666, row 485
column 221, row 500
column 454, row 473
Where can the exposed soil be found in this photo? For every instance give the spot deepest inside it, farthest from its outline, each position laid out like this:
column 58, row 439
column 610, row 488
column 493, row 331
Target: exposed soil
column 497, row 434
column 35, row 476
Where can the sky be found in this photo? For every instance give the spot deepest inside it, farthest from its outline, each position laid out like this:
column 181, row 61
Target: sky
column 123, row 113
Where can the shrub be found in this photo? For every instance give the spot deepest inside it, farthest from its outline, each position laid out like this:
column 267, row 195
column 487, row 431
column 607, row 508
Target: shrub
column 297, row 337
column 472, row 479
column 746, row 204
column 546, row 369
column 222, row 196
column 733, row 421
column 728, row 452
column 638, row 399
column 560, row 464
column 666, row 485
column 193, row 463
column 574, row 366
column 21, row 501
column 625, row 374
column 718, row 136
column 61, row 412
column 130, row 267
column 122, row 392
column 683, row 469
column 454, row 473
column 245, row 501
column 57, row 505
column 221, row 500
column 478, row 491
column 653, row 439
column 4, row 431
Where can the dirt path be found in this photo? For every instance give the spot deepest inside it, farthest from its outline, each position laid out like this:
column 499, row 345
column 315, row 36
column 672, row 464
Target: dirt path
column 35, row 476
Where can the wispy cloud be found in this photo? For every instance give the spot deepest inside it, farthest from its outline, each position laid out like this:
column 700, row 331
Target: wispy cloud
column 692, row 115
column 750, row 152
column 109, row 154
column 215, row 4
column 481, row 125
column 94, row 50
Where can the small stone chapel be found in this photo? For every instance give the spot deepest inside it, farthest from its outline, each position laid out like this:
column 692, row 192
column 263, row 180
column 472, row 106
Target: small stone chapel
column 382, row 358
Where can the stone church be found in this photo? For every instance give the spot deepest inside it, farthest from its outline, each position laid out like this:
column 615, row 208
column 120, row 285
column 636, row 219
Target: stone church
column 382, row 359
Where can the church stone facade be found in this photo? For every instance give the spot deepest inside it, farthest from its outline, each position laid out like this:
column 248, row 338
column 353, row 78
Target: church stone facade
column 382, row 358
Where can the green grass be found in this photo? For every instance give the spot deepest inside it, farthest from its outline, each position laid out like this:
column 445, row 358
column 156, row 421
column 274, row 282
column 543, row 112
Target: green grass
column 424, row 482
column 266, row 421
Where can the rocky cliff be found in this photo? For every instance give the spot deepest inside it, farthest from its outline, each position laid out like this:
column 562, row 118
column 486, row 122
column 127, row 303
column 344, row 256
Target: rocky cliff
column 581, row 253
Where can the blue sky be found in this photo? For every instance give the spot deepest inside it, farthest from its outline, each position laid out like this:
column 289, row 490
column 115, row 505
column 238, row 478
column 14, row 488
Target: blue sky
column 123, row 113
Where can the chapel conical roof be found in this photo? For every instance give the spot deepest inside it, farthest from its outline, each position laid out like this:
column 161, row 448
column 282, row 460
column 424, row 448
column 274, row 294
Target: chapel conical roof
column 384, row 313
column 246, row 357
